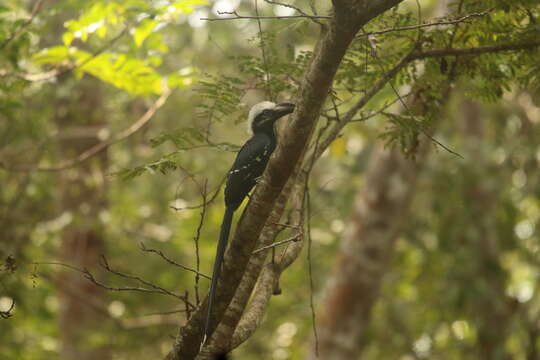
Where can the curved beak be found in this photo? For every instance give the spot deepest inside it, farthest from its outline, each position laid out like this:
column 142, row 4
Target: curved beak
column 284, row 109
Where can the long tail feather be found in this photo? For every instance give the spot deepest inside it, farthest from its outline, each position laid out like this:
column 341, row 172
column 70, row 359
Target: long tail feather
column 222, row 245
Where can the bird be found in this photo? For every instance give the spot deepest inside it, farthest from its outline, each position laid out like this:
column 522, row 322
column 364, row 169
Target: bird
column 247, row 168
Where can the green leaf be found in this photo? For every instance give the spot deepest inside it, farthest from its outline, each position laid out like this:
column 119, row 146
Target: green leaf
column 154, row 41
column 143, row 31
column 67, row 38
column 181, row 138
column 122, row 71
column 52, row 55
column 187, row 6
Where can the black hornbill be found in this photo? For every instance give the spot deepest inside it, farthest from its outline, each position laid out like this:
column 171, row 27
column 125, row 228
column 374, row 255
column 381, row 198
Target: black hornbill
column 247, row 168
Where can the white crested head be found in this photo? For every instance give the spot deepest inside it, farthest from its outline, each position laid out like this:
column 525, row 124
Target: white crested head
column 256, row 110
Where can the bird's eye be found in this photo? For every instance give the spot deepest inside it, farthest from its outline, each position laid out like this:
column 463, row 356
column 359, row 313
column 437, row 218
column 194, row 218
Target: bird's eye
column 266, row 112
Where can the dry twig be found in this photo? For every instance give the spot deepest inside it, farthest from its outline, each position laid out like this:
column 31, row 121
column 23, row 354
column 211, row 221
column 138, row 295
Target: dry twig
column 172, row 262
column 237, row 16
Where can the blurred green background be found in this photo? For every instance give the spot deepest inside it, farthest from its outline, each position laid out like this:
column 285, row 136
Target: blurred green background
column 73, row 74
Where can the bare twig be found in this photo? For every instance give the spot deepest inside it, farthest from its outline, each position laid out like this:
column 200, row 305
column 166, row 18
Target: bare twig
column 154, row 288
column 381, row 110
column 379, row 84
column 298, row 10
column 171, row 312
column 527, row 45
column 297, row 237
column 283, row 225
column 210, row 200
column 197, row 237
column 310, row 265
column 71, row 267
column 172, row 262
column 90, row 277
column 244, row 17
column 335, row 106
column 187, row 308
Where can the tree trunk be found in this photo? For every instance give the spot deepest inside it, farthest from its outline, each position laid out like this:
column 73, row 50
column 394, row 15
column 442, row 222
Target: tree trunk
column 380, row 210
column 494, row 308
column 349, row 16
column 83, row 197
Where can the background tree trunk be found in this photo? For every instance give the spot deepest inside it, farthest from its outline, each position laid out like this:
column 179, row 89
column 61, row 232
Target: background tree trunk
column 494, row 309
column 83, row 197
column 380, row 210
column 377, row 220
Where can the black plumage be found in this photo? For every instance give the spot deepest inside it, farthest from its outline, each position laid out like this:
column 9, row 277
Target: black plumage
column 247, row 168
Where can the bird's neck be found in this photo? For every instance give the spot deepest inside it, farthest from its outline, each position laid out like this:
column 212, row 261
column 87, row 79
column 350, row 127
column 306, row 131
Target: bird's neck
column 267, row 130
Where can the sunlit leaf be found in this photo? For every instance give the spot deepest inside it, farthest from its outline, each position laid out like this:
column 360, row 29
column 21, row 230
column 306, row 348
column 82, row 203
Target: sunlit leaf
column 67, row 38
column 187, row 6
column 143, row 31
column 52, row 55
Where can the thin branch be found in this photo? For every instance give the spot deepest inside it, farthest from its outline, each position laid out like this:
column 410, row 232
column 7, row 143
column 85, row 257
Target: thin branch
column 71, row 267
column 155, row 288
column 99, row 147
column 298, row 10
column 335, row 106
column 309, row 260
column 381, row 110
column 244, row 17
column 412, row 56
column 413, row 122
column 88, row 275
column 197, row 238
column 475, row 50
column 379, row 84
column 430, row 24
column 297, row 237
column 172, row 262
column 210, row 200
column 171, row 312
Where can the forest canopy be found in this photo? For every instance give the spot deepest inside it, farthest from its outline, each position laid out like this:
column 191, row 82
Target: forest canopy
column 397, row 218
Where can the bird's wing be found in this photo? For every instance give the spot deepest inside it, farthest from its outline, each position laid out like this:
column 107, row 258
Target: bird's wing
column 248, row 166
column 252, row 157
